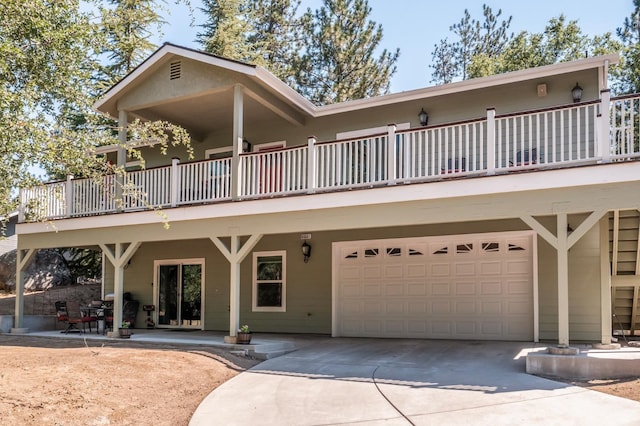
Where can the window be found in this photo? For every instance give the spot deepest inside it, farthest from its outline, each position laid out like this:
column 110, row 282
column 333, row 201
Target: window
column 269, row 281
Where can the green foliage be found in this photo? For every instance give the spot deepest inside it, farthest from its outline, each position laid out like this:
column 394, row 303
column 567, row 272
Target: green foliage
column 627, row 74
column 338, row 61
column 487, row 37
column 327, row 54
column 49, row 65
column 260, row 32
column 127, row 28
column 561, row 41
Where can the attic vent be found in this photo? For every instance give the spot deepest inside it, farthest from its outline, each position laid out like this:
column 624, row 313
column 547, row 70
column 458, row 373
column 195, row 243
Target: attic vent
column 175, row 70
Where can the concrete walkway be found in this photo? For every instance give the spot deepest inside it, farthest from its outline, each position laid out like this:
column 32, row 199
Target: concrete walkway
column 406, row 382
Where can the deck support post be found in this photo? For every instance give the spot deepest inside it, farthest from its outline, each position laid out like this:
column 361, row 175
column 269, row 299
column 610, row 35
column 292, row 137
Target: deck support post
column 392, row 173
column 68, row 195
column 604, row 144
column 562, row 242
column 175, row 181
column 119, row 257
column 605, row 283
column 311, row 165
column 491, row 141
column 238, row 137
column 235, row 254
column 122, row 157
column 23, row 258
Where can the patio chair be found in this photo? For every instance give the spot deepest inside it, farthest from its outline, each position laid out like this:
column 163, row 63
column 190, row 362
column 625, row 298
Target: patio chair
column 61, row 312
column 75, row 316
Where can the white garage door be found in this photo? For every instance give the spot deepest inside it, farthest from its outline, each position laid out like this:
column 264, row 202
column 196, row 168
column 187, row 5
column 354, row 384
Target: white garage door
column 476, row 286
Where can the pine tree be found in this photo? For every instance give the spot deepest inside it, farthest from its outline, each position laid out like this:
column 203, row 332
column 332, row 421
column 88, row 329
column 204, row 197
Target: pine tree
column 627, row 74
column 227, row 30
column 339, row 62
column 274, row 30
column 488, row 37
column 128, row 27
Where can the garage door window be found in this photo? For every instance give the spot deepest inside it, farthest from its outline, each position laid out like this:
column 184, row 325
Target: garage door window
column 269, row 281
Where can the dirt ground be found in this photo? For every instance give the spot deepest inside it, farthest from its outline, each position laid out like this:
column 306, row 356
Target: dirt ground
column 65, row 382
column 70, row 382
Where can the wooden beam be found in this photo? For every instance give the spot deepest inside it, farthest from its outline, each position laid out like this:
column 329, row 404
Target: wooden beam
column 605, row 283
column 616, row 236
column 247, row 247
column 638, row 249
column 585, row 226
column 635, row 324
column 226, row 252
column 563, row 281
column 541, row 230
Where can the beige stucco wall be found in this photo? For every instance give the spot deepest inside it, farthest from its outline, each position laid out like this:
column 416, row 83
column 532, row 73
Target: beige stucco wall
column 509, row 98
column 308, row 288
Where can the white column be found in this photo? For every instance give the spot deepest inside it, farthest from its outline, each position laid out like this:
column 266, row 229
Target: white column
column 563, row 281
column 175, row 181
column 605, row 282
column 118, row 286
column 391, row 155
column 122, row 152
column 311, row 165
column 22, row 260
column 238, row 110
column 118, row 258
column 604, row 142
column 68, row 193
column 234, row 296
column 491, row 141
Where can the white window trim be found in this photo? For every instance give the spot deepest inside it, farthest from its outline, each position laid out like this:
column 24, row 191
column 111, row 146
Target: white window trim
column 212, row 151
column 254, row 292
column 370, row 131
column 276, row 144
column 156, row 287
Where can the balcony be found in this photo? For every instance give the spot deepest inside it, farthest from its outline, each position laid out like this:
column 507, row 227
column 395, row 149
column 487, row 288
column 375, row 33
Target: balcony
column 565, row 136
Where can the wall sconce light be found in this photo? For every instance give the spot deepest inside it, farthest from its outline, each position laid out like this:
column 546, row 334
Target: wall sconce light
column 306, row 251
column 576, row 93
column 424, row 118
column 246, row 146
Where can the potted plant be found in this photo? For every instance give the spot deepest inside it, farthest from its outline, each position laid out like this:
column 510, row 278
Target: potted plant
column 244, row 335
column 125, row 331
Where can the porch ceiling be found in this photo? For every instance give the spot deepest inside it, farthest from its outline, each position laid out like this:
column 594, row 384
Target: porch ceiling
column 209, row 112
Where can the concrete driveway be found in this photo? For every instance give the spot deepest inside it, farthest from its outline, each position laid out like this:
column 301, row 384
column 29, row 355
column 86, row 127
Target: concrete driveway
column 406, row 382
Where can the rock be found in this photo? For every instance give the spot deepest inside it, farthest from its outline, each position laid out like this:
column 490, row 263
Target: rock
column 47, row 269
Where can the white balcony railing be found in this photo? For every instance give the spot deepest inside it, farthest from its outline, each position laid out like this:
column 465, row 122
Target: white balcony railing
column 553, row 137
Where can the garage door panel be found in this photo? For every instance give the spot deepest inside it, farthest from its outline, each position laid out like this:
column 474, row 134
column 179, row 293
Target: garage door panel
column 440, row 269
column 464, row 268
column 490, row 288
column 441, row 289
column 371, row 271
column 416, row 289
column 467, row 287
column 416, row 270
column 395, row 289
column 393, row 271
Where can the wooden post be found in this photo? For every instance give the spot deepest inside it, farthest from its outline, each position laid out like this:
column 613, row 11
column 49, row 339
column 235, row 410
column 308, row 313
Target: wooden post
column 491, row 141
column 175, row 181
column 122, row 156
column 563, row 281
column 391, row 155
column 311, row 165
column 68, row 193
column 236, row 172
column 604, row 142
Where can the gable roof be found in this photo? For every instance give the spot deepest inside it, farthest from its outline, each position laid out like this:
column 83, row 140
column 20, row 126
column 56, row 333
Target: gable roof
column 107, row 103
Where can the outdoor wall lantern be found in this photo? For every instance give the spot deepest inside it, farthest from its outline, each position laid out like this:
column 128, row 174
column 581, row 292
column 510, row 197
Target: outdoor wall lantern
column 306, row 251
column 246, row 146
column 576, row 93
column 424, row 118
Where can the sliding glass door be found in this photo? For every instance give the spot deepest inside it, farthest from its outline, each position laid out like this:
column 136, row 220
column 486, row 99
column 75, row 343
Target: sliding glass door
column 179, row 285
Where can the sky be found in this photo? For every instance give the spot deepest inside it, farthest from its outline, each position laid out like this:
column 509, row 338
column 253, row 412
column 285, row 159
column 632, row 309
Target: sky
column 415, row 26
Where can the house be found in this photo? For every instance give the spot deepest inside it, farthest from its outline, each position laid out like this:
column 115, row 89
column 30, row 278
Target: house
column 481, row 209
column 8, row 241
